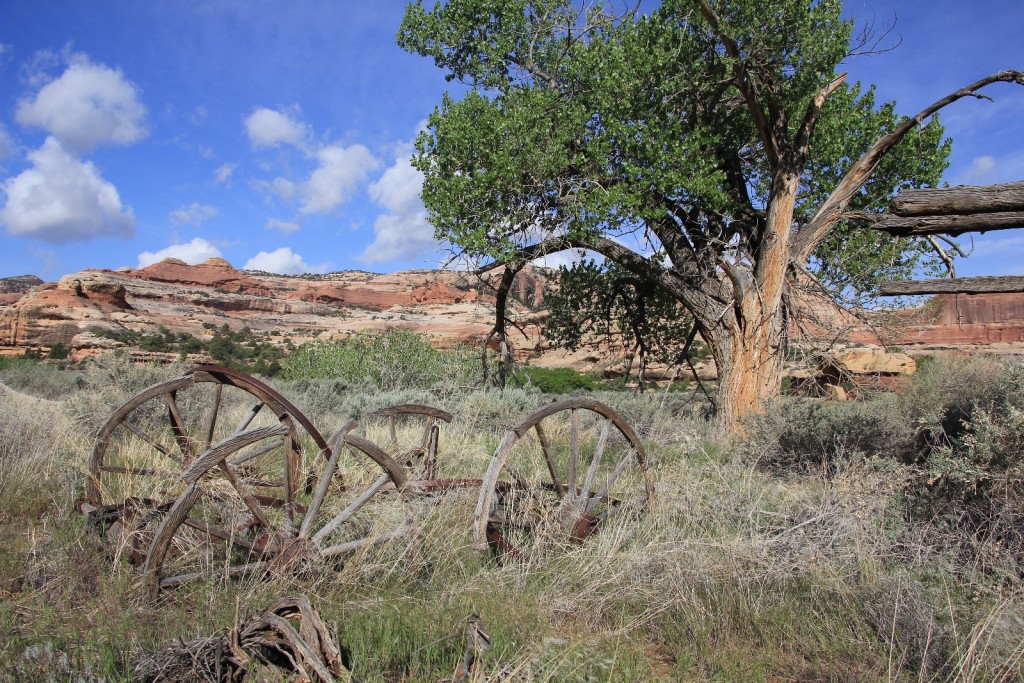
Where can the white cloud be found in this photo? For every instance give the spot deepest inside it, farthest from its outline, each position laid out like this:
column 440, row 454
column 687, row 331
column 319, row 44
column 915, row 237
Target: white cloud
column 403, row 232
column 193, row 214
column 88, row 105
column 284, row 226
column 269, row 128
column 981, row 169
column 223, row 173
column 283, row 261
column 61, row 199
column 341, row 170
column 196, row 251
column 7, row 146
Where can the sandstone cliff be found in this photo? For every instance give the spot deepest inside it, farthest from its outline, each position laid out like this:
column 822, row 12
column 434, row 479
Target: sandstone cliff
column 87, row 311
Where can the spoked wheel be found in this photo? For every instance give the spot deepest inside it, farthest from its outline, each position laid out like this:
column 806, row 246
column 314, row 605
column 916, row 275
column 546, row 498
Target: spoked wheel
column 411, row 433
column 216, row 528
column 146, row 444
column 583, row 466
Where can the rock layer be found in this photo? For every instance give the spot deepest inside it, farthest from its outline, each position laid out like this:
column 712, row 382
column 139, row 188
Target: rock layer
column 86, row 311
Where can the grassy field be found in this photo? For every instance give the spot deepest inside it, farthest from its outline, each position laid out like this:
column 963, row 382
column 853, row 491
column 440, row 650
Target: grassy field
column 878, row 540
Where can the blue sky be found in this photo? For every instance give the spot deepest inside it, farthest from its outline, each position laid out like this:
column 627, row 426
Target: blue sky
column 277, row 135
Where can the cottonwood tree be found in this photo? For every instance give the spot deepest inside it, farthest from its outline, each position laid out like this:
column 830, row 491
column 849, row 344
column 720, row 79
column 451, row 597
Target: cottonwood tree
column 709, row 147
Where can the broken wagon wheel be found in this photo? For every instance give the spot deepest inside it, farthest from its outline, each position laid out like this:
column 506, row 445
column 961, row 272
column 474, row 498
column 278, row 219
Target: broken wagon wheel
column 584, row 466
column 412, row 433
column 145, row 444
column 218, row 528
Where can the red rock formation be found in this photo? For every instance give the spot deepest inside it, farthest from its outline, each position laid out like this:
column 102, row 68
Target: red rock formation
column 449, row 307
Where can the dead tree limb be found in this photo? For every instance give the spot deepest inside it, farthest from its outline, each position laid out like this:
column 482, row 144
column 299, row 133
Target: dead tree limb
column 950, row 224
column 963, row 199
column 964, row 285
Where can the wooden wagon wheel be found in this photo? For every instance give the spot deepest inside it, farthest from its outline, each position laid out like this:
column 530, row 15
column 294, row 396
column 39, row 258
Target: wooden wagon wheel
column 141, row 450
column 216, row 528
column 585, row 466
column 413, row 432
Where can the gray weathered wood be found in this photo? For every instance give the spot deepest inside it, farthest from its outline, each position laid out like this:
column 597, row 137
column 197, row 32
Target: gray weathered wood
column 950, row 225
column 959, row 200
column 963, row 285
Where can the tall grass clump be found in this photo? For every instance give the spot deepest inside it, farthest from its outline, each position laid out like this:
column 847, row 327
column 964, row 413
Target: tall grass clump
column 389, row 360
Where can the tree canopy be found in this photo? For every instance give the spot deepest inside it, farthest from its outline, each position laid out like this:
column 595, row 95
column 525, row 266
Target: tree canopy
column 708, row 147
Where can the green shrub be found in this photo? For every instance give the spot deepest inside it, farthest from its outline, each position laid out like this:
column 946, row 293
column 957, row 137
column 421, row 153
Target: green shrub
column 559, row 380
column 59, row 351
column 389, row 360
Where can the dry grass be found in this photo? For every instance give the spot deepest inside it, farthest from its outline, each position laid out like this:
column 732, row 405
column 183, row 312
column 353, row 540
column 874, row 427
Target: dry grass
column 740, row 573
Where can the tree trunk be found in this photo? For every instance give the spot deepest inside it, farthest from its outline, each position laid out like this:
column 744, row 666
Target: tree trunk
column 749, row 358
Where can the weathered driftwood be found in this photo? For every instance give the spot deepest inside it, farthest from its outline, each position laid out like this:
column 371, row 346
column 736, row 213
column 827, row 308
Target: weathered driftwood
column 951, row 224
column 963, row 285
column 964, row 199
column 291, row 636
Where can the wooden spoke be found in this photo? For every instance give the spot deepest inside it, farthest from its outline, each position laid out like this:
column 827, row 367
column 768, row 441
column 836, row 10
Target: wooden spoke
column 244, row 494
column 242, row 459
column 353, row 507
column 546, row 449
column 247, row 420
column 599, row 497
column 218, row 533
column 212, row 424
column 226, row 572
column 160, row 448
column 352, row 546
column 602, row 441
column 574, row 450
column 178, row 426
column 144, row 471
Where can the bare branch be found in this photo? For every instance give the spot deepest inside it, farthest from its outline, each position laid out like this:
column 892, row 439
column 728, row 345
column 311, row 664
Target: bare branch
column 831, row 210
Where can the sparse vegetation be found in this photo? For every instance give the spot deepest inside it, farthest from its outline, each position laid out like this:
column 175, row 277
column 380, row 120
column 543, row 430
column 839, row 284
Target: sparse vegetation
column 817, row 548
column 242, row 349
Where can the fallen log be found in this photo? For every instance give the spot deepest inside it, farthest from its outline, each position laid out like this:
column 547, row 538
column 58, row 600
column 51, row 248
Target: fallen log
column 964, row 199
column 953, row 224
column 962, row 285
column 290, row 636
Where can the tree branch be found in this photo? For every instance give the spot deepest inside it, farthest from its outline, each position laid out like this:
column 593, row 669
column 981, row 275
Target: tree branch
column 803, row 138
column 746, row 86
column 832, row 208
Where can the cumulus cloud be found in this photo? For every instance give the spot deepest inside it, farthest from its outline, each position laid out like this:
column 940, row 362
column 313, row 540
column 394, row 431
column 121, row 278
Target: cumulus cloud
column 62, row 199
column 270, row 128
column 193, row 214
column 88, row 105
column 403, row 232
column 340, row 171
column 223, row 173
column 283, row 261
column 284, row 226
column 196, row 251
